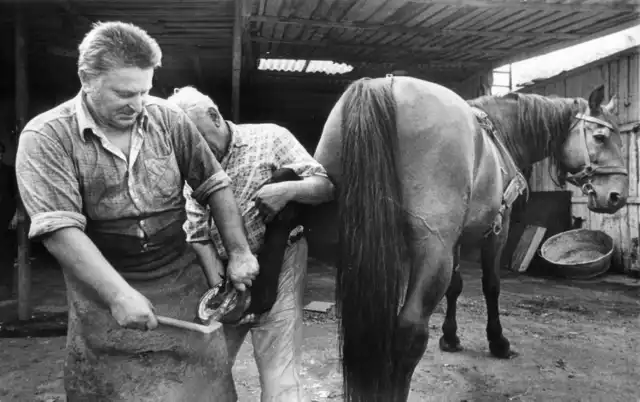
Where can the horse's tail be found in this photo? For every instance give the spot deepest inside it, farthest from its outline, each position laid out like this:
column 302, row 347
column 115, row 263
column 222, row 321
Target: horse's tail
column 373, row 241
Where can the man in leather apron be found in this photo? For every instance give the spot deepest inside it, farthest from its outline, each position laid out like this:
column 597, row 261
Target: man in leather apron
column 250, row 153
column 101, row 177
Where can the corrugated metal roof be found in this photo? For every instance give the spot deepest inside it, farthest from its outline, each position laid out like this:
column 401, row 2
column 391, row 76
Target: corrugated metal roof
column 307, row 66
column 287, row 65
column 328, row 67
column 443, row 39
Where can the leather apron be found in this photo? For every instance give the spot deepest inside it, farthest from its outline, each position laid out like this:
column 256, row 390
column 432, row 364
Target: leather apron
column 106, row 362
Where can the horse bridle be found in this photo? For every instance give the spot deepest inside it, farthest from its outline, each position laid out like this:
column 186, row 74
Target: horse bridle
column 582, row 179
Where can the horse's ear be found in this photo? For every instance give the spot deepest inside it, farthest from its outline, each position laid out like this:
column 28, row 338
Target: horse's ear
column 612, row 105
column 595, row 99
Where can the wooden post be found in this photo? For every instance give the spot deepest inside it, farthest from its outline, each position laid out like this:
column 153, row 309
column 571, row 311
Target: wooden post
column 248, row 63
column 236, row 63
column 22, row 102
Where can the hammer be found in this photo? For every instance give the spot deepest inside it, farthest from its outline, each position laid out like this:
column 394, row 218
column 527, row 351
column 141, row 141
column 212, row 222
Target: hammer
column 188, row 325
column 218, row 304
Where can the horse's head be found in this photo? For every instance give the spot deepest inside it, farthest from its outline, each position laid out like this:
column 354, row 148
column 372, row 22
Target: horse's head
column 592, row 155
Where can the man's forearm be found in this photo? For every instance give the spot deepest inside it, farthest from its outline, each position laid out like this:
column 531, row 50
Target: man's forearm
column 80, row 257
column 226, row 215
column 211, row 263
column 311, row 190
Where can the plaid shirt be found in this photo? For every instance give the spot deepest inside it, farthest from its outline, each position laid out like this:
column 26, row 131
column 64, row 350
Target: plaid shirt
column 256, row 150
column 69, row 171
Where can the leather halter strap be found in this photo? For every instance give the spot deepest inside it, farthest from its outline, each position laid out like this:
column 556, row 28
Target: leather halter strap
column 586, row 117
column 582, row 178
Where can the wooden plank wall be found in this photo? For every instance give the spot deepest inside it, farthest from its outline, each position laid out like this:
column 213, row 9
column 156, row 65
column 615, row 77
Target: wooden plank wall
column 302, row 106
column 620, row 74
column 475, row 86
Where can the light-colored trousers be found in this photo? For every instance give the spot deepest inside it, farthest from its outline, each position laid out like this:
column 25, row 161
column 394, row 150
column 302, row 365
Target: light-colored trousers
column 277, row 334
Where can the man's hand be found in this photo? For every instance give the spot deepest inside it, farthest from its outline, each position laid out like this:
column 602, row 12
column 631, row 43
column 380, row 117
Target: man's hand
column 242, row 269
column 133, row 310
column 272, row 198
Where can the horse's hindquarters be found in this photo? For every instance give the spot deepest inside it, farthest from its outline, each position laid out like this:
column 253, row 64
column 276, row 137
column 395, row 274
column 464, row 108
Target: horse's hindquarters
column 435, row 155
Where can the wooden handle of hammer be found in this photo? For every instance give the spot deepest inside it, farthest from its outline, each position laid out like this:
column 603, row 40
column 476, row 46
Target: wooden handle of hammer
column 191, row 326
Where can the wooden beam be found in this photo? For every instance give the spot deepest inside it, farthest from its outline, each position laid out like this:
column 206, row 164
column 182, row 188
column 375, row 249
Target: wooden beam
column 401, row 29
column 22, row 104
column 268, row 77
column 633, row 21
column 542, row 5
column 177, row 46
column 236, row 62
column 422, row 50
column 249, row 62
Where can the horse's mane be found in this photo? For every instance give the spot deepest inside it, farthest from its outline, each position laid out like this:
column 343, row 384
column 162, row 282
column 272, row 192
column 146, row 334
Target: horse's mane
column 532, row 126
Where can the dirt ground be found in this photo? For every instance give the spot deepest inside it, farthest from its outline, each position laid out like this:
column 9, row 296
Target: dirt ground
column 577, row 340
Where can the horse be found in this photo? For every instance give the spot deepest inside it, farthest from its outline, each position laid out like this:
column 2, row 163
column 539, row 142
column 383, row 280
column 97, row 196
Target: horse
column 419, row 171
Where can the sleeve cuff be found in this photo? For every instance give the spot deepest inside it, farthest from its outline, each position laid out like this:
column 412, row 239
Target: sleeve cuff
column 194, row 235
column 214, row 183
column 48, row 222
column 306, row 170
column 198, row 239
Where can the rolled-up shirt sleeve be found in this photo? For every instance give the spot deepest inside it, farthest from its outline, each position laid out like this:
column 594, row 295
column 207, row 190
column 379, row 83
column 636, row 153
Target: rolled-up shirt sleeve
column 289, row 153
column 196, row 227
column 198, row 165
column 48, row 184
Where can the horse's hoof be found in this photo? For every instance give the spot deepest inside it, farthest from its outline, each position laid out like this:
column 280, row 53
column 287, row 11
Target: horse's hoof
column 450, row 347
column 501, row 349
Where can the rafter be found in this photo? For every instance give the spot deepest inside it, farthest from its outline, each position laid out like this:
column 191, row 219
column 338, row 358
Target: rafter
column 542, row 5
column 415, row 50
column 544, row 49
column 327, row 81
column 401, row 29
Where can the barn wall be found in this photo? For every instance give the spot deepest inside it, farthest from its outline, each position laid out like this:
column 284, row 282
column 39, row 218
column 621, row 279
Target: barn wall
column 300, row 105
column 620, row 75
column 475, row 86
column 38, row 103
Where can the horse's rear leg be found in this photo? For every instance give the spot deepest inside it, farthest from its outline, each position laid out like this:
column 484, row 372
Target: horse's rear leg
column 449, row 341
column 428, row 281
column 492, row 248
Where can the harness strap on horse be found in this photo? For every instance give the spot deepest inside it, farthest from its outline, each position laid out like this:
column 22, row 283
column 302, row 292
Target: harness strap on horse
column 517, row 185
column 582, row 179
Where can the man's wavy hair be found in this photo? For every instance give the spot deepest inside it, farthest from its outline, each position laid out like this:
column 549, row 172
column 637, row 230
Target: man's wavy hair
column 117, row 44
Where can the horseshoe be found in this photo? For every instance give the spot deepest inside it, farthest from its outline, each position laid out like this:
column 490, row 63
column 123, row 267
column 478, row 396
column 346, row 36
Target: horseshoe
column 223, row 303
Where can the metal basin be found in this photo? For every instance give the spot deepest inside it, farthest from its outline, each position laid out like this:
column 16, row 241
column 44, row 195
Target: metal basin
column 579, row 253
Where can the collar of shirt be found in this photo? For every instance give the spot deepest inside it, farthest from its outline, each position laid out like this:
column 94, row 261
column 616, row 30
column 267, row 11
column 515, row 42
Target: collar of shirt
column 87, row 123
column 237, row 141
